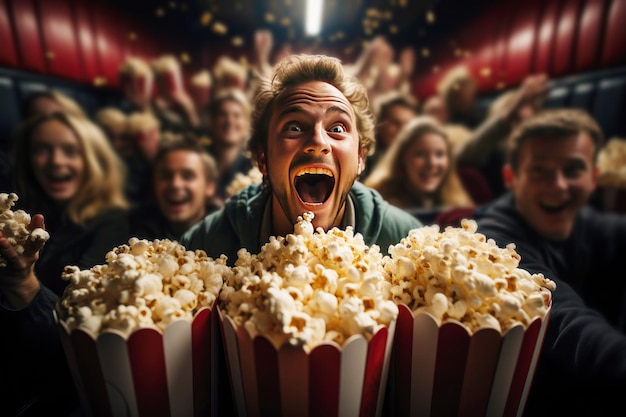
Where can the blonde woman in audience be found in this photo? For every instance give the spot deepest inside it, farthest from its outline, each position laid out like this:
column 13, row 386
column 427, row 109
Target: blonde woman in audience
column 65, row 168
column 418, row 172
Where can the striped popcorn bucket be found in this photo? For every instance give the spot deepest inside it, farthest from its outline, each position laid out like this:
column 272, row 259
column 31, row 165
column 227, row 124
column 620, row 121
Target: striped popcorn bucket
column 447, row 371
column 149, row 373
column 288, row 381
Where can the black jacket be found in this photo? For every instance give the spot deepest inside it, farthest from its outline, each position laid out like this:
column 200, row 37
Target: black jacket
column 582, row 367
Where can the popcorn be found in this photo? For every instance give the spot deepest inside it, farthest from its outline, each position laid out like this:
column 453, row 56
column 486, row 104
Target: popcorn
column 143, row 284
column 309, row 287
column 14, row 226
column 461, row 275
column 612, row 163
column 241, row 181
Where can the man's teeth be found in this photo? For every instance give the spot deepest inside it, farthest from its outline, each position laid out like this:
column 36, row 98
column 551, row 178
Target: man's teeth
column 318, row 171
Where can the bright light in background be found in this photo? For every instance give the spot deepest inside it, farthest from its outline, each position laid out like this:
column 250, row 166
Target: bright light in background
column 313, row 17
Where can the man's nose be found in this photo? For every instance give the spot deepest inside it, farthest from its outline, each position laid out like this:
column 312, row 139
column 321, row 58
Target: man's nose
column 318, row 141
column 560, row 180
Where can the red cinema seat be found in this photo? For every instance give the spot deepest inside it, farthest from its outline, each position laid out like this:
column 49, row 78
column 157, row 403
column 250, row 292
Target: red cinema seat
column 614, row 47
column 85, row 36
column 453, row 216
column 564, row 38
column 475, row 184
column 57, row 27
column 107, row 43
column 8, row 52
column 30, row 49
column 589, row 36
column 545, row 36
column 521, row 42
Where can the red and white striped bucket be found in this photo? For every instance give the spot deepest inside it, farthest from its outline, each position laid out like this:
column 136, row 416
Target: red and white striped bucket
column 328, row 381
column 149, row 373
column 447, row 371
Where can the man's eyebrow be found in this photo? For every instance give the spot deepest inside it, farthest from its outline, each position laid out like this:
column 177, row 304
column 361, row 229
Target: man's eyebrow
column 337, row 109
column 290, row 110
column 298, row 109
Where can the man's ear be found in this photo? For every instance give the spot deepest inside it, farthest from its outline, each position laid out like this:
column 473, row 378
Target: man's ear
column 361, row 165
column 508, row 175
column 261, row 160
column 210, row 189
column 596, row 174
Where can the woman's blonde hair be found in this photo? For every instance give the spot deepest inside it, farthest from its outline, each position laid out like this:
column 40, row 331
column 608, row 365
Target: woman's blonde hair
column 105, row 173
column 68, row 104
column 389, row 177
column 299, row 69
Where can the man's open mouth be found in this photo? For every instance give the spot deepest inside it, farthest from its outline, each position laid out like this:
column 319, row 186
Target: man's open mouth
column 553, row 209
column 314, row 185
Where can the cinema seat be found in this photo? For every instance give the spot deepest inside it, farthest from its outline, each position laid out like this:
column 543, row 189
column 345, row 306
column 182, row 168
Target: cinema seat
column 609, row 107
column 453, row 216
column 582, row 96
column 9, row 116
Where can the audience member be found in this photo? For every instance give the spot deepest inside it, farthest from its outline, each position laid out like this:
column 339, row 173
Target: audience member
column 485, row 151
column 65, row 169
column 551, row 172
column 418, row 172
column 435, row 106
column 50, row 101
column 230, row 130
column 263, row 44
column 200, row 88
column 228, row 75
column 395, row 109
column 312, row 132
column 184, row 183
column 145, row 131
column 137, row 81
column 114, row 123
column 173, row 106
column 459, row 89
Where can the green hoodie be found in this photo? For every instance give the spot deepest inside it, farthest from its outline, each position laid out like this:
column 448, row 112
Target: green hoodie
column 238, row 224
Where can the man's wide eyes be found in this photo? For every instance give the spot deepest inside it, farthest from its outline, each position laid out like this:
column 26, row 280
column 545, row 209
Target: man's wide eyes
column 338, row 129
column 292, row 127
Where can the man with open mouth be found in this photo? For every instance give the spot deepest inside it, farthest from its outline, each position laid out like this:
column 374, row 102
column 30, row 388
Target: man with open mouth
column 312, row 130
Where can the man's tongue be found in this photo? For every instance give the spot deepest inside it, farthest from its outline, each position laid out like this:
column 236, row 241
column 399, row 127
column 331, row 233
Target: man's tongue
column 313, row 188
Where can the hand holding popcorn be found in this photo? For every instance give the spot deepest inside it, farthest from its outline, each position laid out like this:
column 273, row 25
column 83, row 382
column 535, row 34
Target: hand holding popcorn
column 15, row 226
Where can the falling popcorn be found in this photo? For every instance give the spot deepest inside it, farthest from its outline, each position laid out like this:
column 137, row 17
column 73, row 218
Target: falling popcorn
column 14, row 225
column 309, row 287
column 461, row 275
